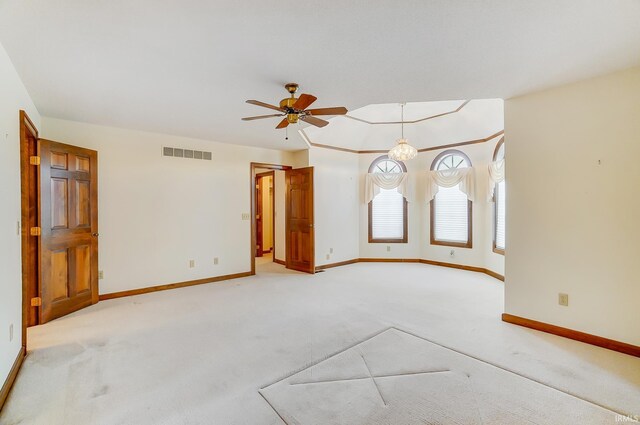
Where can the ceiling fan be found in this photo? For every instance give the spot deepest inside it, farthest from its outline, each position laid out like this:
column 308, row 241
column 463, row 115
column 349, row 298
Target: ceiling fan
column 293, row 109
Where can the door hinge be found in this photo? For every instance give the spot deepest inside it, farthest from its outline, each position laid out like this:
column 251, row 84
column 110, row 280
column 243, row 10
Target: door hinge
column 35, row 231
column 34, row 160
column 36, row 302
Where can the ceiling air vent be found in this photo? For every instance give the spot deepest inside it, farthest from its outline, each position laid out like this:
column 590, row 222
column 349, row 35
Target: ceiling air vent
column 186, row 153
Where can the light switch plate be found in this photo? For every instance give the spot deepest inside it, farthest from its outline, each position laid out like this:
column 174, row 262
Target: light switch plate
column 246, row 216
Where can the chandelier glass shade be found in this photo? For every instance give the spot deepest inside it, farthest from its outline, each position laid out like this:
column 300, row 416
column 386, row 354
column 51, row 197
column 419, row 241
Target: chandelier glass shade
column 402, row 151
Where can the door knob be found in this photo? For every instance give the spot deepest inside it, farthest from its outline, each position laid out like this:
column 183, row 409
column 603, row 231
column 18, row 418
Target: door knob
column 95, row 234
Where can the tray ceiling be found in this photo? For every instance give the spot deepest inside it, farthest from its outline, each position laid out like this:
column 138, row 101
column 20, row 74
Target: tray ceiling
column 435, row 124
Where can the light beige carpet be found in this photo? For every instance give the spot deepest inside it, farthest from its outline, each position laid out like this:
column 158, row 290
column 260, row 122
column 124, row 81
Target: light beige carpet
column 201, row 355
column 397, row 378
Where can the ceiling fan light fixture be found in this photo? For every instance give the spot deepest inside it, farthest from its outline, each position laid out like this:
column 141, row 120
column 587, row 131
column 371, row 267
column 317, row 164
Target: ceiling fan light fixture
column 294, row 109
column 402, row 151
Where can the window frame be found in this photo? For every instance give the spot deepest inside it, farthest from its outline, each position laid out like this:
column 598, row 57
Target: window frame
column 405, row 227
column 432, row 203
column 495, row 248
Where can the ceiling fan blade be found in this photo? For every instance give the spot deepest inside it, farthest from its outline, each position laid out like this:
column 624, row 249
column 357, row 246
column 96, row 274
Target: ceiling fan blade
column 259, row 117
column 314, row 121
column 304, row 101
column 338, row 110
column 283, row 123
column 265, row 105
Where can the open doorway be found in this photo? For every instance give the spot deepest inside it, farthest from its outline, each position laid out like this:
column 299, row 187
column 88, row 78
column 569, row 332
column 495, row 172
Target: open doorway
column 293, row 243
column 268, row 217
column 265, row 216
column 59, row 227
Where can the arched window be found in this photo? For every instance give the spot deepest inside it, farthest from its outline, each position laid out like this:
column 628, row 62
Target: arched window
column 451, row 211
column 388, row 210
column 499, row 205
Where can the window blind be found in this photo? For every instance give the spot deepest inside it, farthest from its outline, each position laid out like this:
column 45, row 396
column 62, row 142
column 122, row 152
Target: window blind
column 387, row 221
column 451, row 215
column 501, row 204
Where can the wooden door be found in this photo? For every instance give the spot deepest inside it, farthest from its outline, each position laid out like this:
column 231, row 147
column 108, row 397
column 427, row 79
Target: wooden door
column 300, row 247
column 259, row 229
column 68, row 179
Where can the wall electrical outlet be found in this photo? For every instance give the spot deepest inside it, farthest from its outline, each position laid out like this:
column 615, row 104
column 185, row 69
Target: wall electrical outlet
column 192, row 263
column 215, row 261
column 563, row 299
column 388, row 248
column 100, row 274
column 246, row 216
column 11, row 332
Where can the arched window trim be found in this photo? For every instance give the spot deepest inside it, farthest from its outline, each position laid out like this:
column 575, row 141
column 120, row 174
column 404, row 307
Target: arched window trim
column 495, row 203
column 405, row 220
column 379, row 159
column 434, row 241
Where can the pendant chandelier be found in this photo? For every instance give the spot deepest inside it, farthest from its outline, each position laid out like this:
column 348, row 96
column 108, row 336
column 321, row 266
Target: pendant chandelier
column 402, row 151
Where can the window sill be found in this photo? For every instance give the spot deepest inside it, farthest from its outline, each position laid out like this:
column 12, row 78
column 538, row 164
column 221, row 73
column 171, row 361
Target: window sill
column 498, row 250
column 387, row 241
column 452, row 244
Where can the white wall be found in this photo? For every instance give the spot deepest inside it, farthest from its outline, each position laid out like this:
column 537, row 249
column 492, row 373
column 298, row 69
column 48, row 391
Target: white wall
column 336, row 203
column 481, row 254
column 418, row 246
column 573, row 206
column 342, row 216
column 156, row 213
column 13, row 97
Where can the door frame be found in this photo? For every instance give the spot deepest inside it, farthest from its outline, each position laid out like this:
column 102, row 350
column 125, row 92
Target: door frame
column 30, row 210
column 252, row 181
column 271, row 174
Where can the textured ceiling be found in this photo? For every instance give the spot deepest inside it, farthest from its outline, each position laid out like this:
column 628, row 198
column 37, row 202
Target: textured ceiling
column 185, row 67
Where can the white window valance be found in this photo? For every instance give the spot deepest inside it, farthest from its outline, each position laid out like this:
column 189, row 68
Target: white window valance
column 496, row 175
column 450, row 178
column 376, row 181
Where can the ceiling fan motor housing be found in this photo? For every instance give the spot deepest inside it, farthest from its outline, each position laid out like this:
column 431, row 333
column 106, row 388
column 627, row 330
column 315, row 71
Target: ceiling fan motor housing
column 287, row 104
